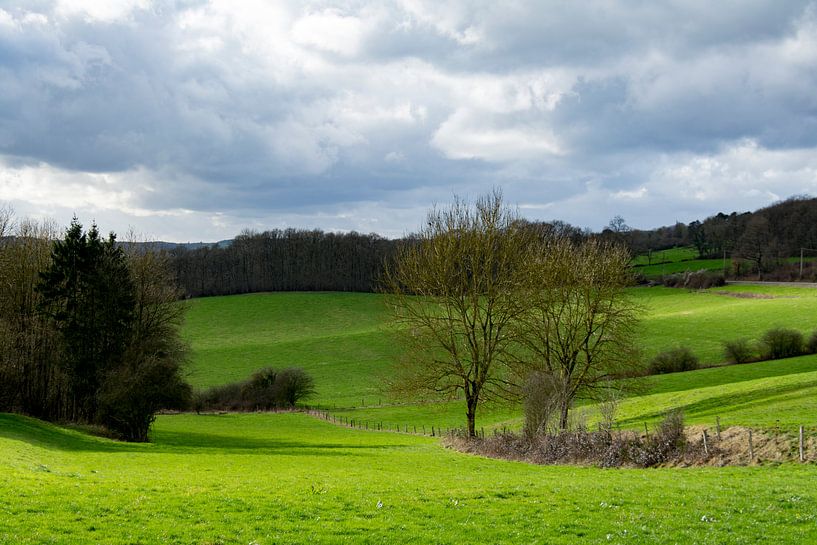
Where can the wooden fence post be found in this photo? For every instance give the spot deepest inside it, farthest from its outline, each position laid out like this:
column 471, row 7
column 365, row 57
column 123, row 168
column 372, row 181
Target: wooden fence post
column 706, row 446
column 751, row 450
column 718, row 427
column 802, row 449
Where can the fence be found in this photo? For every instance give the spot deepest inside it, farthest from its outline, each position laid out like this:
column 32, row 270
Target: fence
column 739, row 443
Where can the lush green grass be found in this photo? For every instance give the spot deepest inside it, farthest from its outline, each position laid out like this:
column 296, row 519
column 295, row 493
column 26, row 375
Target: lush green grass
column 339, row 338
column 291, row 479
column 670, row 255
column 651, row 271
column 342, row 338
column 703, row 320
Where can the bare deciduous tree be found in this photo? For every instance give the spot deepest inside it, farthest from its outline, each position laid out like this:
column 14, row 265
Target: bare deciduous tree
column 455, row 293
column 578, row 324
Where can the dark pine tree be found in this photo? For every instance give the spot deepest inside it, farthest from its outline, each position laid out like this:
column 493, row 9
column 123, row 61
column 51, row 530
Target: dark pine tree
column 88, row 293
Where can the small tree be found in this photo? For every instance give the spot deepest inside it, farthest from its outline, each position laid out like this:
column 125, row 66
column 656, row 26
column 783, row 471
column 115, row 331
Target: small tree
column 578, row 321
column 455, row 293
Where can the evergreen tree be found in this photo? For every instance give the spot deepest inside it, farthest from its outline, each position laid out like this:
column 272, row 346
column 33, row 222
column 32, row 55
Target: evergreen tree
column 88, row 293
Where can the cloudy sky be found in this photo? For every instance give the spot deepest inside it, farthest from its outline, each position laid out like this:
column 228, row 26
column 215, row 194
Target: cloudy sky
column 191, row 120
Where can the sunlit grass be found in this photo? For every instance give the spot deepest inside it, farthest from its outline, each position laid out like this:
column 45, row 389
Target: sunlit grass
column 269, row 479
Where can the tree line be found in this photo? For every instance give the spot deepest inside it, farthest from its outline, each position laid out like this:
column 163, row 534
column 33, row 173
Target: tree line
column 283, row 260
column 314, row 260
column 761, row 237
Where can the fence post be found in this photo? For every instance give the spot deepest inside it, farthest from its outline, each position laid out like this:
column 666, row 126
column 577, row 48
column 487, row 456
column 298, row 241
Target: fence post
column 706, row 446
column 751, row 450
column 718, row 427
column 646, row 431
column 802, row 449
column 432, row 431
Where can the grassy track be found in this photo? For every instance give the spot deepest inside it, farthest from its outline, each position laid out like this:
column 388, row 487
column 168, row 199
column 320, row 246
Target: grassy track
column 269, row 479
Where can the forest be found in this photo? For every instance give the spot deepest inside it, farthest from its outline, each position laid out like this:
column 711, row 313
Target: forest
column 313, row 260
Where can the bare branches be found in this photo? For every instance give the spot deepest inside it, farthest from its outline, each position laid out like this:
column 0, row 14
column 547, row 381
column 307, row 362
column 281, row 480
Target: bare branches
column 454, row 289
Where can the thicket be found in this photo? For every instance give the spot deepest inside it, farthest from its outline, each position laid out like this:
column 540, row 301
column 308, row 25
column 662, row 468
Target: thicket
column 738, row 351
column 780, row 342
column 698, row 280
column 266, row 389
column 605, row 448
column 88, row 333
column 673, row 360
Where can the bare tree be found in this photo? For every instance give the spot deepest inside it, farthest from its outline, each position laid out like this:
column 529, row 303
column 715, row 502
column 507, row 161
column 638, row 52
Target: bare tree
column 578, row 327
column 455, row 290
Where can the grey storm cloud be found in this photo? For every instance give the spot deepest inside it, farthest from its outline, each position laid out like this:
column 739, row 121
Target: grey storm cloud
column 192, row 118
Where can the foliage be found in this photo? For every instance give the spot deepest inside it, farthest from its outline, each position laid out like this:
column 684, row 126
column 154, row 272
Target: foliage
column 811, row 343
column 131, row 395
column 674, row 360
column 781, row 342
column 697, row 280
column 31, row 378
column 90, row 334
column 738, row 351
column 88, row 293
column 266, row 389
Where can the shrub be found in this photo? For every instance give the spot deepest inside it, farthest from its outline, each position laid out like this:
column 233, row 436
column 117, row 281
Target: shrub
column 811, row 344
column 604, row 448
column 266, row 389
column 698, row 280
column 131, row 395
column 673, row 360
column 738, row 351
column 294, row 385
column 541, row 405
column 781, row 342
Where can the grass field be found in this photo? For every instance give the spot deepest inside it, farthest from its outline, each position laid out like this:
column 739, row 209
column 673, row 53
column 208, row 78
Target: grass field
column 342, row 339
column 670, row 255
column 269, row 479
column 290, row 478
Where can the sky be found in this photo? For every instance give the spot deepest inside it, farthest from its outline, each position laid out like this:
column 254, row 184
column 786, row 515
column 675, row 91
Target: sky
column 191, row 120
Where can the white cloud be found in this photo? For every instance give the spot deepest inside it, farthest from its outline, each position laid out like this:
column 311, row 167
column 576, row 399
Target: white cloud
column 212, row 113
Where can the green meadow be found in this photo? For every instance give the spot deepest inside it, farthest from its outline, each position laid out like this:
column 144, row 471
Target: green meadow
column 291, row 478
column 268, row 479
column 344, row 340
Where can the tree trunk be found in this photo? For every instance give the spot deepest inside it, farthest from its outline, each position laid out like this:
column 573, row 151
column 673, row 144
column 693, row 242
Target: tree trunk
column 471, row 414
column 564, row 408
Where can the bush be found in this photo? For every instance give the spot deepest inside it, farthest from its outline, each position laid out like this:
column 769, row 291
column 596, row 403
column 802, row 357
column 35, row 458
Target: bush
column 811, row 344
column 541, row 405
column 266, row 389
column 738, row 351
column 131, row 395
column 781, row 342
column 698, row 280
column 673, row 360
column 604, row 448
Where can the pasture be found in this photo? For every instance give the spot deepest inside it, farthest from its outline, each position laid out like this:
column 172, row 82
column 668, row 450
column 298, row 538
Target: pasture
column 288, row 478
column 291, row 478
column 344, row 341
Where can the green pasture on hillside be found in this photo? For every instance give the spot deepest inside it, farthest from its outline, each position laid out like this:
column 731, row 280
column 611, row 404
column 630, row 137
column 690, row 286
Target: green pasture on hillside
column 670, row 255
column 267, row 479
column 343, row 339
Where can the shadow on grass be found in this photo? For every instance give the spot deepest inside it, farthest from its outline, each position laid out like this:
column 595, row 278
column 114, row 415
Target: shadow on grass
column 43, row 434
